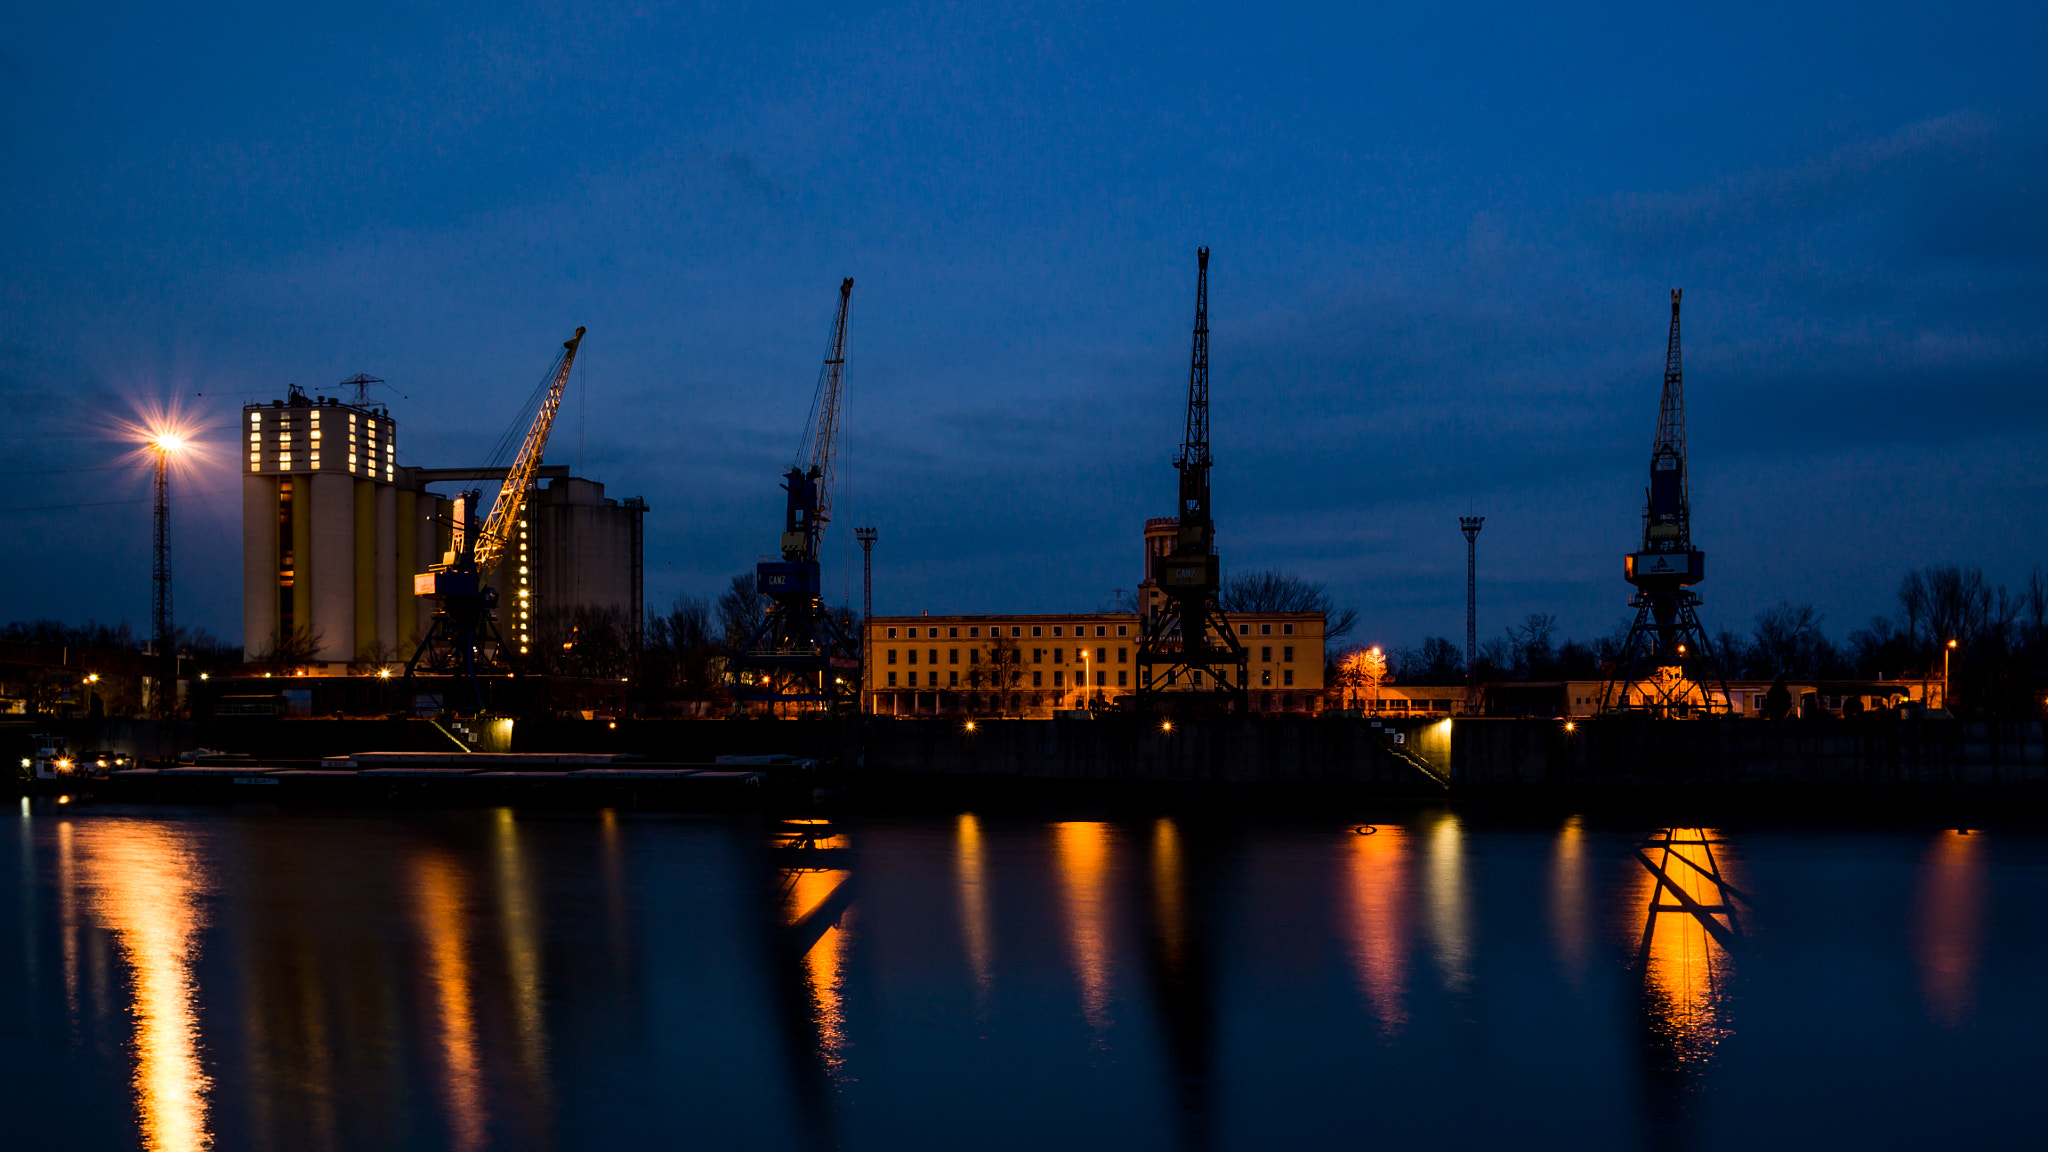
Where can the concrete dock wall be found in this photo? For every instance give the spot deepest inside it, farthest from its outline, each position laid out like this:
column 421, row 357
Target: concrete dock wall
column 1139, row 749
column 1475, row 756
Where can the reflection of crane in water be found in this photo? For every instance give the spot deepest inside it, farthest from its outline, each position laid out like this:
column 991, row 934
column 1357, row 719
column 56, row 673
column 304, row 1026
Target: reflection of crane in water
column 812, row 892
column 1181, row 971
column 1691, row 930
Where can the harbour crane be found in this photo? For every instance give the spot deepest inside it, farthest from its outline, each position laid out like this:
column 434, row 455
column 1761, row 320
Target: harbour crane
column 1666, row 635
column 798, row 654
column 463, row 641
column 1187, row 635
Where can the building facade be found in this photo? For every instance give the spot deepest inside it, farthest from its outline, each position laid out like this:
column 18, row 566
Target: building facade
column 332, row 533
column 1033, row 666
column 334, row 529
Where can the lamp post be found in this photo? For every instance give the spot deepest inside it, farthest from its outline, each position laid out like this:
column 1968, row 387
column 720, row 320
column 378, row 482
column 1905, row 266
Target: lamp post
column 1944, row 673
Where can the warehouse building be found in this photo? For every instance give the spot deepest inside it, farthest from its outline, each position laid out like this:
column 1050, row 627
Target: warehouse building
column 1033, row 666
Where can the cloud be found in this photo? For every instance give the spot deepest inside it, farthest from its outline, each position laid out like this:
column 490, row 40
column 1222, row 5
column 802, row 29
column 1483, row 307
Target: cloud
column 1766, row 199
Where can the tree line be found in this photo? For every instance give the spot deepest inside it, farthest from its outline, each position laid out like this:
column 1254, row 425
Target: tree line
column 1998, row 666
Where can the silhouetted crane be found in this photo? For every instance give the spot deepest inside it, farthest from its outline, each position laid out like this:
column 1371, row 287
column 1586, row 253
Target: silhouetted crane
column 1666, row 634
column 1187, row 636
column 798, row 654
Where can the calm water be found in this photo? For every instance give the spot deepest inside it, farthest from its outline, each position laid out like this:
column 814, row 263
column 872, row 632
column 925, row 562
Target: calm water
column 179, row 979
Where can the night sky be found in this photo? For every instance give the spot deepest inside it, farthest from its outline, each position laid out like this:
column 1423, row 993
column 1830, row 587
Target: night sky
column 1443, row 243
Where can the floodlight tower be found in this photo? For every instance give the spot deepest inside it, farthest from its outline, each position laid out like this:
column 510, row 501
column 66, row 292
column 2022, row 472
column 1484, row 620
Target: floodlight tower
column 866, row 536
column 163, row 446
column 1470, row 525
column 1667, row 631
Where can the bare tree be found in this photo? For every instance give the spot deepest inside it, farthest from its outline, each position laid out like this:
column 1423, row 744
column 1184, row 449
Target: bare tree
column 740, row 608
column 1275, row 591
column 1789, row 642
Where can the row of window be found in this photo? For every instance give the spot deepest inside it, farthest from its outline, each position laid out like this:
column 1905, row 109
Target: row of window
column 1017, row 630
column 1059, row 679
column 974, row 679
column 1059, row 655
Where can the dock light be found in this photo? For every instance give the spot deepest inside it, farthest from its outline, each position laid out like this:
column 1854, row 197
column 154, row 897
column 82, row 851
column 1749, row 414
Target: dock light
column 613, row 724
column 1166, row 725
column 205, row 676
column 1569, row 726
column 970, row 725
column 383, row 673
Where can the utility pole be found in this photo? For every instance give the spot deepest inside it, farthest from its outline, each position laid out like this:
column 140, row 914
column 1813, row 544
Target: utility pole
column 1470, row 525
column 866, row 536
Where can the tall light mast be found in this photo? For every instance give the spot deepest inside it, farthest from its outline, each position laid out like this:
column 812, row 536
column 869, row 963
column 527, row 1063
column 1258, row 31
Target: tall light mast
column 1470, row 525
column 1651, row 670
column 1188, row 637
column 161, row 628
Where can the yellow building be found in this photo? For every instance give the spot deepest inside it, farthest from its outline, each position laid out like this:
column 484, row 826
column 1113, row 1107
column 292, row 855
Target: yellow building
column 1032, row 666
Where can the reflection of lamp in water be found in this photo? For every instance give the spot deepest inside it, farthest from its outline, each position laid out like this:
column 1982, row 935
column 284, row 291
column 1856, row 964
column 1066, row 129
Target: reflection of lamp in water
column 144, row 877
column 971, row 863
column 1449, row 917
column 1568, row 911
column 1169, row 892
column 1377, row 889
column 1948, row 922
column 1083, row 850
column 522, row 950
column 439, row 900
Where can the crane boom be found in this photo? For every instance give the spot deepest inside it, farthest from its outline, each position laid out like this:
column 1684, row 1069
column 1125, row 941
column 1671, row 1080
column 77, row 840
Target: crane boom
column 825, row 442
column 1668, row 517
column 809, row 480
column 496, row 536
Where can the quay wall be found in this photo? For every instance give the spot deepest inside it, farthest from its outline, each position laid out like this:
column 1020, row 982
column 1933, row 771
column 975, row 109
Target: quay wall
column 1467, row 756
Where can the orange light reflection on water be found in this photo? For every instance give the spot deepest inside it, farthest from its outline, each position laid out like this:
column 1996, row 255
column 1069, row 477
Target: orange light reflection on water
column 1380, row 921
column 440, row 901
column 1082, row 851
column 1169, row 893
column 1570, row 908
column 1450, row 903
column 144, row 881
column 971, row 866
column 1685, row 968
column 823, row 963
column 1948, row 924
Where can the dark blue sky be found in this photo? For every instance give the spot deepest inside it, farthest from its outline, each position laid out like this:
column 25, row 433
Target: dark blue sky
column 1443, row 238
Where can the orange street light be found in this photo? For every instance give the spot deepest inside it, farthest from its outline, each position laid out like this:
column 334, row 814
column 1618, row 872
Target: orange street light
column 1944, row 672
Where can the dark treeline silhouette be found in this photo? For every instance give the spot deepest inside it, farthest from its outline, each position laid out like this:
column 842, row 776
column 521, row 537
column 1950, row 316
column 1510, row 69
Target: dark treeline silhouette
column 195, row 642
column 1998, row 667
column 688, row 648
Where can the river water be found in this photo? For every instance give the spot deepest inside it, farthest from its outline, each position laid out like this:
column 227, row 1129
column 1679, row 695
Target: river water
column 243, row 978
